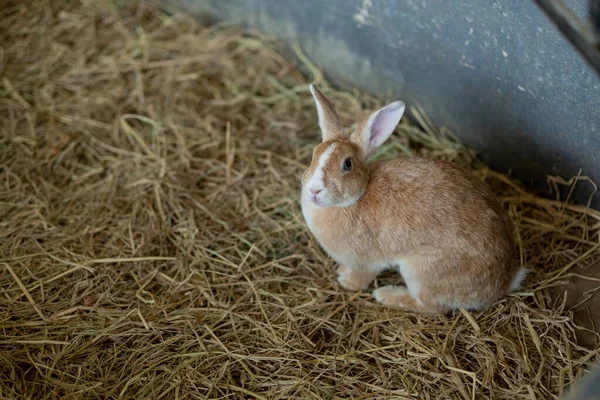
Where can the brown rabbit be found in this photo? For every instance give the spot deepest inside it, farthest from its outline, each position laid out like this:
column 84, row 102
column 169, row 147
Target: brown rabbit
column 438, row 225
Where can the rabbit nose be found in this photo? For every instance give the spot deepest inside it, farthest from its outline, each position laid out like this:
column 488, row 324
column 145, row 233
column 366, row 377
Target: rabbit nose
column 316, row 191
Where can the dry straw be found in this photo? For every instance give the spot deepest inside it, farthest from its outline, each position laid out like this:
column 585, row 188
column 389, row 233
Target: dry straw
column 151, row 245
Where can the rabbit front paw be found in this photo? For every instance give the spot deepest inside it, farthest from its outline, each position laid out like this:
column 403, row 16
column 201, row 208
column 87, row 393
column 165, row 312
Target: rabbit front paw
column 354, row 279
column 400, row 298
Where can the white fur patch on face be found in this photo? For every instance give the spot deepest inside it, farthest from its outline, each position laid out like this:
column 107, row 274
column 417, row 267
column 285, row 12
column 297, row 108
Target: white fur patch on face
column 316, row 180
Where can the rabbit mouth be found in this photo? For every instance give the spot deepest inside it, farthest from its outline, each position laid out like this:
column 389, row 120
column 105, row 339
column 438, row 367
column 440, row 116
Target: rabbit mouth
column 316, row 201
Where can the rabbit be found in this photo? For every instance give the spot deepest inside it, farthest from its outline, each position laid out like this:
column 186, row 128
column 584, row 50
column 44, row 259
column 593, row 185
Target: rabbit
column 434, row 222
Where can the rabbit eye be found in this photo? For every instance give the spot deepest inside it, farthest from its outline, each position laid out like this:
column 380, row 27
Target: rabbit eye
column 347, row 164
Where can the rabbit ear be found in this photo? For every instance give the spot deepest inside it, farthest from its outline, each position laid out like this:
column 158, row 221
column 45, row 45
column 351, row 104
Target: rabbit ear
column 329, row 122
column 376, row 129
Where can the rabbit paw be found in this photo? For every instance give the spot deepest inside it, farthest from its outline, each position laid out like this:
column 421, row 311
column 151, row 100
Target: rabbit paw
column 399, row 297
column 353, row 279
column 395, row 296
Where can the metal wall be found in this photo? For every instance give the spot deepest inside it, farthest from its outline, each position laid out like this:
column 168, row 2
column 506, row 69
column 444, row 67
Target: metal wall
column 497, row 73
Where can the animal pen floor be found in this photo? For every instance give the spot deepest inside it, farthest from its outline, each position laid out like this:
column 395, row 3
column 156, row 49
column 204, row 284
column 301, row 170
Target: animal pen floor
column 151, row 243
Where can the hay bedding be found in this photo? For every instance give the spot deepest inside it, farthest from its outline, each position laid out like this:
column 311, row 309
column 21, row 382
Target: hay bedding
column 152, row 245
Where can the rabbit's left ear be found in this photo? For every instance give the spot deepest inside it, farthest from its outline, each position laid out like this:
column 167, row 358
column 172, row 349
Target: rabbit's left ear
column 329, row 122
column 378, row 127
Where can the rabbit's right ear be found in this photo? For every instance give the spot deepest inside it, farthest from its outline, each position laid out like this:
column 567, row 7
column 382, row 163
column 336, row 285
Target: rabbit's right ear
column 329, row 122
column 377, row 128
